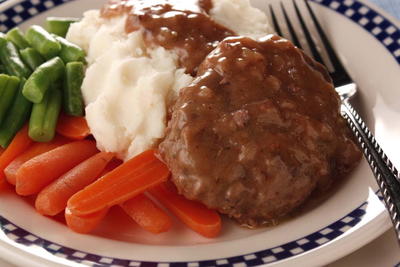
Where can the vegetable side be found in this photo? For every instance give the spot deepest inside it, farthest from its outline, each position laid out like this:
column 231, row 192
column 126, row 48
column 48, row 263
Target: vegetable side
column 41, row 77
column 47, row 153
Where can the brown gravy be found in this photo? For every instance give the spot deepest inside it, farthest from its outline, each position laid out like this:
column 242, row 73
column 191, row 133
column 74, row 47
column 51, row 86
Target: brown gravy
column 181, row 26
column 257, row 131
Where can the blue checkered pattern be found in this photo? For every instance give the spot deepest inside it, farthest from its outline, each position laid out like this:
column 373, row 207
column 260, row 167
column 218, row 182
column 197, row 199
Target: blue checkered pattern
column 25, row 10
column 274, row 254
column 383, row 30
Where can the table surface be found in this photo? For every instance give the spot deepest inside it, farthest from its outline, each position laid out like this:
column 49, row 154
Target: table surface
column 391, row 6
column 384, row 251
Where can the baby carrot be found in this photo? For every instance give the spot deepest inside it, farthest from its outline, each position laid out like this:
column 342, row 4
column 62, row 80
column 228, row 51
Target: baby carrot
column 36, row 149
column 114, row 163
column 54, row 197
column 3, row 184
column 194, row 214
column 72, row 127
column 18, row 145
column 41, row 170
column 147, row 214
column 126, row 181
column 84, row 224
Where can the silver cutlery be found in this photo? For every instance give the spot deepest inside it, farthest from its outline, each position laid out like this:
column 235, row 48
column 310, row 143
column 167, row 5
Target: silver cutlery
column 384, row 171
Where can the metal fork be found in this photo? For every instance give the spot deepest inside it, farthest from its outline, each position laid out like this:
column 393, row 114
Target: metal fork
column 385, row 173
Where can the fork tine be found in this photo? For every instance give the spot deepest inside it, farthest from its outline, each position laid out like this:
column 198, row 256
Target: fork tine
column 275, row 21
column 295, row 39
column 338, row 66
column 307, row 35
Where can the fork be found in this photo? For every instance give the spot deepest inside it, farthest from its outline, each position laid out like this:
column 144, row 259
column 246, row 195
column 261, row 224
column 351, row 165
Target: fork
column 384, row 171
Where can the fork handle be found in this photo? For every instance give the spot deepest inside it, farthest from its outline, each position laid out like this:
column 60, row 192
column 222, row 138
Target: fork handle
column 385, row 173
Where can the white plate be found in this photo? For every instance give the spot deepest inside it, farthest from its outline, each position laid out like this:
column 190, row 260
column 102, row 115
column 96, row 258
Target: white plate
column 352, row 216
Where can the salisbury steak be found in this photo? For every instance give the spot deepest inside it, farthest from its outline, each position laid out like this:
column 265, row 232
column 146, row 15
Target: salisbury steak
column 257, row 131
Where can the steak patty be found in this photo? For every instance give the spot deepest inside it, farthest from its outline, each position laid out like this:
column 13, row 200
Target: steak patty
column 257, row 131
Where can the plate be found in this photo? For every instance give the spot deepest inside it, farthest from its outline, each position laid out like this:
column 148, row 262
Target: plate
column 352, row 215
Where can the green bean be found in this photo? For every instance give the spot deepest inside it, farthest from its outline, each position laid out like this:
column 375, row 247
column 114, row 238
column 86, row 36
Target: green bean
column 2, row 69
column 42, row 78
column 3, row 81
column 11, row 59
column 4, row 78
column 31, row 57
column 69, row 51
column 73, row 102
column 3, row 42
column 17, row 37
column 8, row 89
column 44, row 116
column 16, row 117
column 3, row 39
column 59, row 26
column 43, row 41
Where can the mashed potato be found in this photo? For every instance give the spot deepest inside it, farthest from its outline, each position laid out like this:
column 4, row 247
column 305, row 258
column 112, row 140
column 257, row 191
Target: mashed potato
column 128, row 87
